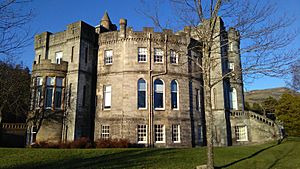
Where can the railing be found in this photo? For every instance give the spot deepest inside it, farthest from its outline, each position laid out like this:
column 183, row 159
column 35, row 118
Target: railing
column 13, row 125
column 249, row 114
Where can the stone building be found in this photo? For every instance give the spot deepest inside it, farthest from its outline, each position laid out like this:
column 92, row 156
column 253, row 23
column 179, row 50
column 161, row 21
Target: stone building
column 144, row 86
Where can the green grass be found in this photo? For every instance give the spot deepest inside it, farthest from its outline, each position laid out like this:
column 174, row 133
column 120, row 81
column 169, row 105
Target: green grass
column 285, row 155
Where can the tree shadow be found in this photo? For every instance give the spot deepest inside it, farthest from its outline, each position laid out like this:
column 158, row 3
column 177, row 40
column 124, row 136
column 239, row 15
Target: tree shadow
column 245, row 158
column 125, row 159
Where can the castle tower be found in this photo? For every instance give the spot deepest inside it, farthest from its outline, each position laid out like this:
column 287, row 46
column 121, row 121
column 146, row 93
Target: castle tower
column 236, row 95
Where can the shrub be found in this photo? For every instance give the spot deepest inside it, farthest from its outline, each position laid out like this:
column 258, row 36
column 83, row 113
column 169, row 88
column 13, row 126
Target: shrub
column 82, row 142
column 112, row 143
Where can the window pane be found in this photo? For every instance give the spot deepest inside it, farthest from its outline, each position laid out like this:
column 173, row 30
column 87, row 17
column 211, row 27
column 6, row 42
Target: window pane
column 58, row 95
column 107, row 96
column 105, row 132
column 49, row 94
column 50, row 81
column 173, row 57
column 142, row 133
column 142, row 54
column 59, row 81
column 174, row 96
column 39, row 81
column 141, row 93
column 158, row 55
column 142, row 99
column 176, row 133
column 142, row 85
column 108, row 55
column 159, row 133
column 58, row 57
column 174, row 100
column 158, row 94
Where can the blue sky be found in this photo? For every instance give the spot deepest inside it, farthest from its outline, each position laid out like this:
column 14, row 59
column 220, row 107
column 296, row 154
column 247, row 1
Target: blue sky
column 54, row 15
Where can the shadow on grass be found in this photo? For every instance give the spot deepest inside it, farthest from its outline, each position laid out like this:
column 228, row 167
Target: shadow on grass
column 245, row 158
column 124, row 159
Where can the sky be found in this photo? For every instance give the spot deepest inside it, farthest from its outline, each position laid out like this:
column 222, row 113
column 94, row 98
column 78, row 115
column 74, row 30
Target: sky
column 55, row 15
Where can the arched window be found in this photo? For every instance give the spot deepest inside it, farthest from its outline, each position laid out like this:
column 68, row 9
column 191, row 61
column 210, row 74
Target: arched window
column 142, row 93
column 233, row 99
column 158, row 94
column 174, row 94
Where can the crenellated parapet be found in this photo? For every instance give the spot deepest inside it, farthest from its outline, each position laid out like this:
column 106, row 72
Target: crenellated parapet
column 144, row 35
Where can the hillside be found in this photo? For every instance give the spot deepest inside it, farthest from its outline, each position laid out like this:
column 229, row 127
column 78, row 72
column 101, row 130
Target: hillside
column 257, row 96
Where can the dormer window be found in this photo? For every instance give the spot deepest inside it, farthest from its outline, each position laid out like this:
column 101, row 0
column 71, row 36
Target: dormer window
column 58, row 57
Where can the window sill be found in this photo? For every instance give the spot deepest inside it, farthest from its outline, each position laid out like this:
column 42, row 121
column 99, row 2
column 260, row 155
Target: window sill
column 159, row 109
column 108, row 64
column 160, row 142
column 143, row 62
column 242, row 140
column 142, row 142
column 106, row 109
column 176, row 142
column 142, row 108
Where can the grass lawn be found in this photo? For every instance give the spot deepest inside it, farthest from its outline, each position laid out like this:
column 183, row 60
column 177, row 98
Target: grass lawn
column 285, row 155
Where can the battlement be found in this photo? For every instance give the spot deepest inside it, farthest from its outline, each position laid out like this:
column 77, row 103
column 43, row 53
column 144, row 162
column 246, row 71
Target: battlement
column 77, row 29
column 145, row 34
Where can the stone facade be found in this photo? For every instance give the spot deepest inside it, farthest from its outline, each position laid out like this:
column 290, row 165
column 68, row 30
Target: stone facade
column 144, row 86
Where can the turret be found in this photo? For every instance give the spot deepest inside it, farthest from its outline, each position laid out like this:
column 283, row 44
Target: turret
column 106, row 24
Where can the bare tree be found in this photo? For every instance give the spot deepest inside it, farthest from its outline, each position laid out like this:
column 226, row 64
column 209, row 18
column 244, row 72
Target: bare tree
column 296, row 75
column 264, row 37
column 14, row 35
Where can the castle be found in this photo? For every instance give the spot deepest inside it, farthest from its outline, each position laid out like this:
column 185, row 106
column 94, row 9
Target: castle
column 144, row 86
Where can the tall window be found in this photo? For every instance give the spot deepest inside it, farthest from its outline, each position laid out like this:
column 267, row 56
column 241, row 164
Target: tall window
column 198, row 104
column 39, row 87
column 70, row 94
column 142, row 54
column 158, row 55
column 142, row 133
column 241, row 133
column 233, row 99
column 158, row 94
column 159, row 133
column 58, row 92
column 39, row 59
column 58, row 57
column 176, row 133
column 49, row 92
column 105, row 132
column 173, row 57
column 142, row 93
column 107, row 97
column 174, row 94
column 108, row 55
column 72, row 53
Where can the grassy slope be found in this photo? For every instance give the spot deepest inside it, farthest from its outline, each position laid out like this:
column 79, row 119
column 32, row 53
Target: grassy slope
column 285, row 155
